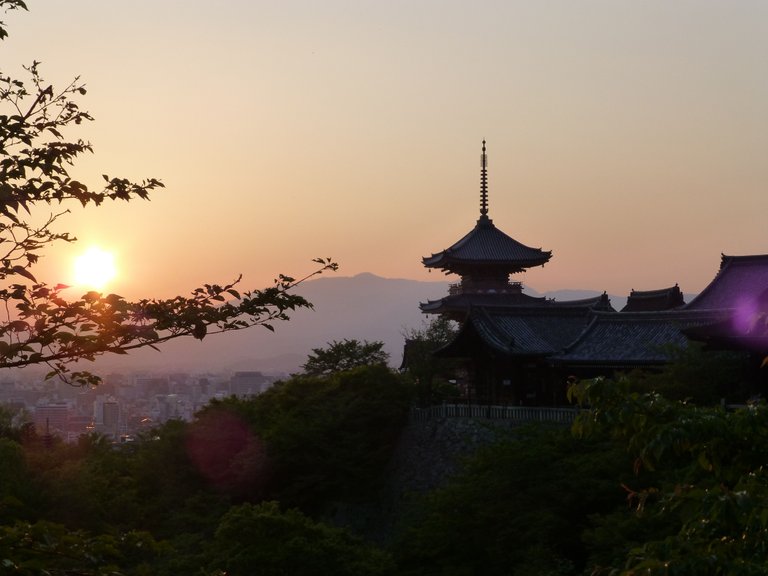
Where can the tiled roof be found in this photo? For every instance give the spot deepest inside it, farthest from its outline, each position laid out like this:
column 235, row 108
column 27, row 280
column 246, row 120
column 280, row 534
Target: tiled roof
column 730, row 333
column 739, row 285
column 537, row 331
column 467, row 300
column 654, row 300
column 487, row 245
column 602, row 302
column 628, row 338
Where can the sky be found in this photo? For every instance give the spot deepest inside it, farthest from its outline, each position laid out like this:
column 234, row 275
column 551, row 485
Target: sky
column 627, row 137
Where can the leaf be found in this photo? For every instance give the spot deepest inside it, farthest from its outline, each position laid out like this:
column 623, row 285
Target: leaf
column 21, row 271
column 199, row 331
column 18, row 326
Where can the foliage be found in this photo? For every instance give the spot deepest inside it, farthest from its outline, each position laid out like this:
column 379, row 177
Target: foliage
column 307, row 441
column 705, row 481
column 40, row 324
column 85, row 486
column 344, row 355
column 697, row 375
column 166, row 479
column 431, row 373
column 48, row 549
column 225, row 451
column 15, row 490
column 517, row 508
column 326, row 437
column 12, row 422
column 263, row 539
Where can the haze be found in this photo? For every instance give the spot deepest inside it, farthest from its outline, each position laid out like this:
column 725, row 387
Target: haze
column 627, row 137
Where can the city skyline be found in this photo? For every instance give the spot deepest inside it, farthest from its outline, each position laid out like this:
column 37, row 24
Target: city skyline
column 626, row 138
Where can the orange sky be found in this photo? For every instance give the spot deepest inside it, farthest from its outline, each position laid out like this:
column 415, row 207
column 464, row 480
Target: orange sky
column 627, row 137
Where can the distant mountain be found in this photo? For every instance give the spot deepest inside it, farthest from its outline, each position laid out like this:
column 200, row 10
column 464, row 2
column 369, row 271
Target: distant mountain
column 366, row 307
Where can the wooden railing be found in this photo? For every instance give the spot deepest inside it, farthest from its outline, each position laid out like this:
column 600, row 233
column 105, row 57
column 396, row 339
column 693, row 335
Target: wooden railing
column 515, row 413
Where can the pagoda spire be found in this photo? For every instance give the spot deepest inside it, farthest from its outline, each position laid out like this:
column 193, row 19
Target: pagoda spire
column 483, row 183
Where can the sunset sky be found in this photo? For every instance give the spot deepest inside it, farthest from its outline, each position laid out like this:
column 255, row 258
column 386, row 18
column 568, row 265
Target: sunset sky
column 629, row 138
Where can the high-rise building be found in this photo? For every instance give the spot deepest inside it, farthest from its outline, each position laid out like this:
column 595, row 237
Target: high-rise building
column 52, row 419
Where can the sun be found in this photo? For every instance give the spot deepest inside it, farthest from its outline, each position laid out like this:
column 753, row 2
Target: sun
column 95, row 268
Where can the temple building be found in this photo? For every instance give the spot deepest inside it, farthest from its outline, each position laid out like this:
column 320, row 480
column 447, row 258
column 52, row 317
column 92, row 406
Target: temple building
column 484, row 259
column 522, row 350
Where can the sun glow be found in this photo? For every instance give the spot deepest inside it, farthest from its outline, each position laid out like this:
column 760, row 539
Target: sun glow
column 94, row 269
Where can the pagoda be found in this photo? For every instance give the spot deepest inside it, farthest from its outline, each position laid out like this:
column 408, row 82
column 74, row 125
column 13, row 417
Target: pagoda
column 484, row 259
column 513, row 349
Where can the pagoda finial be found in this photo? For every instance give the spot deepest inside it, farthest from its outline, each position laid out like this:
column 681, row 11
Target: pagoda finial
column 483, row 183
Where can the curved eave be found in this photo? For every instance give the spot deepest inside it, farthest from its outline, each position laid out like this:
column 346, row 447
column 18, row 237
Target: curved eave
column 449, row 263
column 432, row 306
column 463, row 302
column 486, row 245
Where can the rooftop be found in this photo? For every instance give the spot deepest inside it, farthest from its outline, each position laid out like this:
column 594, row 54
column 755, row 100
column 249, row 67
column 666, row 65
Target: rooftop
column 485, row 246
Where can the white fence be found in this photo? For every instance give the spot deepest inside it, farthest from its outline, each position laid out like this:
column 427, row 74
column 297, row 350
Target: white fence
column 515, row 413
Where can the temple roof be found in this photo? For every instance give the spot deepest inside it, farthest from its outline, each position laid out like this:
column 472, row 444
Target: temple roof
column 467, row 300
column 521, row 331
column 730, row 312
column 741, row 281
column 631, row 338
column 732, row 333
column 654, row 300
column 486, row 246
column 510, row 301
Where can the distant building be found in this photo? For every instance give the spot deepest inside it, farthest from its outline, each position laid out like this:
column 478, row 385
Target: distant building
column 52, row 419
column 519, row 349
column 111, row 418
column 106, row 415
column 79, row 426
column 166, row 407
column 248, row 384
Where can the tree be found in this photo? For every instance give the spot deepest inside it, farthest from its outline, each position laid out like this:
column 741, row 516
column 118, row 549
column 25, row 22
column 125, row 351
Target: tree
column 262, row 539
column 429, row 372
column 700, row 492
column 46, row 548
column 517, row 506
column 697, row 375
column 41, row 326
column 327, row 438
column 344, row 355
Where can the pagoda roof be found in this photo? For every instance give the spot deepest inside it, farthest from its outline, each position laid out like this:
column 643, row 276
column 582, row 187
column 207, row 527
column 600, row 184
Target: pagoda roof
column 738, row 285
column 486, row 245
column 631, row 338
column 467, row 300
column 654, row 300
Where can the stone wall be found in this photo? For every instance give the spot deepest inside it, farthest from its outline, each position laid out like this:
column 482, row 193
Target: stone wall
column 428, row 453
